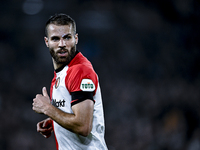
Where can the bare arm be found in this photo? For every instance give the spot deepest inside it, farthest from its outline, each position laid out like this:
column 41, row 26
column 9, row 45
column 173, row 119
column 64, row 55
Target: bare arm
column 79, row 122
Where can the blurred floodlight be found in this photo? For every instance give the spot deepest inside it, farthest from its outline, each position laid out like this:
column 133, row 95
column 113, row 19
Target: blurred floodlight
column 32, row 7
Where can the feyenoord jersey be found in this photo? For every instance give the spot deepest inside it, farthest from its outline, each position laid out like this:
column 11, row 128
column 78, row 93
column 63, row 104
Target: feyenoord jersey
column 78, row 76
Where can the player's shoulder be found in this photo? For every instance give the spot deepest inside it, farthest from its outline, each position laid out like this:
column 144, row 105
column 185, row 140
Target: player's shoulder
column 81, row 68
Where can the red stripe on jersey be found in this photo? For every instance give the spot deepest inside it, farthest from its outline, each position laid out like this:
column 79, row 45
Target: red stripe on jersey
column 55, row 137
column 74, row 100
column 51, row 92
column 52, row 84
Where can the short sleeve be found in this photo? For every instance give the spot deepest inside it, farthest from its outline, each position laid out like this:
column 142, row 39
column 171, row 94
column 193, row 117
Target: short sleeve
column 81, row 78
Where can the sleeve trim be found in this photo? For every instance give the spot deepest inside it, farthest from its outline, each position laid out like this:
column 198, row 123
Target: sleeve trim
column 80, row 96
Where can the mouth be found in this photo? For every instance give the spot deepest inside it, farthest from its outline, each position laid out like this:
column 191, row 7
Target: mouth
column 62, row 53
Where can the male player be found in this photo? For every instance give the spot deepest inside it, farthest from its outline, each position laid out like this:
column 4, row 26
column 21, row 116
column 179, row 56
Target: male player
column 74, row 108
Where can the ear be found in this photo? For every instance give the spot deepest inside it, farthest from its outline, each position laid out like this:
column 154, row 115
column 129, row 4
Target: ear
column 76, row 38
column 46, row 41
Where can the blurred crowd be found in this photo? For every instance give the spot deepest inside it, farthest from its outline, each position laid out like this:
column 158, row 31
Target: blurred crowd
column 147, row 57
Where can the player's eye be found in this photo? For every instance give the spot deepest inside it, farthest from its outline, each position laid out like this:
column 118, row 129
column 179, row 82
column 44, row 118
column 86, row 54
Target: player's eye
column 55, row 38
column 68, row 37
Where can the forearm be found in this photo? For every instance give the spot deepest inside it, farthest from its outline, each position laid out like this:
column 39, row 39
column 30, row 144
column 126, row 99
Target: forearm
column 80, row 121
column 68, row 121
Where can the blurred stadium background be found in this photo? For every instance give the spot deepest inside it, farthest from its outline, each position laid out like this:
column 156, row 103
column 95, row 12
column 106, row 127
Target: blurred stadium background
column 147, row 56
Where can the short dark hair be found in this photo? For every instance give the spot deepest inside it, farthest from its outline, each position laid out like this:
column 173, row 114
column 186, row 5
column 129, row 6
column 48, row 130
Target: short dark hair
column 60, row 19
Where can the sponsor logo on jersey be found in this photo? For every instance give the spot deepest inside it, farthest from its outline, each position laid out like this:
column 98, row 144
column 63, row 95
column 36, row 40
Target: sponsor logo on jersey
column 87, row 85
column 58, row 103
column 57, row 82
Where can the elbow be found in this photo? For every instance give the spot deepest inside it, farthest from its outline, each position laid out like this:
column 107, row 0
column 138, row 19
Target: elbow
column 85, row 131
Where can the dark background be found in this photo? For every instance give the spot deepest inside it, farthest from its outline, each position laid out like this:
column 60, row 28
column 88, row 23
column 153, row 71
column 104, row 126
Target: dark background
column 146, row 54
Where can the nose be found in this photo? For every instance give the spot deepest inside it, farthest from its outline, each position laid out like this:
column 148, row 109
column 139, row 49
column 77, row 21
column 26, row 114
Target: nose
column 62, row 43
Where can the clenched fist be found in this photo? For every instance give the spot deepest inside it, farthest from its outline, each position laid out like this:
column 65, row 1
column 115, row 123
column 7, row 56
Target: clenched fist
column 41, row 102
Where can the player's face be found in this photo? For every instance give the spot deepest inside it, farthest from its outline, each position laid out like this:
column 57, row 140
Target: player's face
column 61, row 42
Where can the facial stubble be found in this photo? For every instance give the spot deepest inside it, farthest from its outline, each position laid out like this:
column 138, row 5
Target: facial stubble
column 63, row 60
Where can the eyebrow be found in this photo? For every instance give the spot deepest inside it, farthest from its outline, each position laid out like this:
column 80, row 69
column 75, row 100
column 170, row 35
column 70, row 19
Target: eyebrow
column 66, row 35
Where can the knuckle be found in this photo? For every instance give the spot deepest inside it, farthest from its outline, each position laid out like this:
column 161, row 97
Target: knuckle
column 38, row 95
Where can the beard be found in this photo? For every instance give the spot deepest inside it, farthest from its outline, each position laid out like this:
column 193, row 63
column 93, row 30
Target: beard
column 65, row 60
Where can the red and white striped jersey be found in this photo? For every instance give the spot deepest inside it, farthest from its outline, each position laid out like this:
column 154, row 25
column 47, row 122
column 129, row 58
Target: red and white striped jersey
column 79, row 75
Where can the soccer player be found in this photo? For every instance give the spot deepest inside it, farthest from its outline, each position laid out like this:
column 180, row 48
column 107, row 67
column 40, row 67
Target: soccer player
column 74, row 107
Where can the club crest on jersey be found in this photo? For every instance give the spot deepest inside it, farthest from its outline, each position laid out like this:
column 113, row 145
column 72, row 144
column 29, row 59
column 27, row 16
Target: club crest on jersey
column 87, row 85
column 57, row 82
